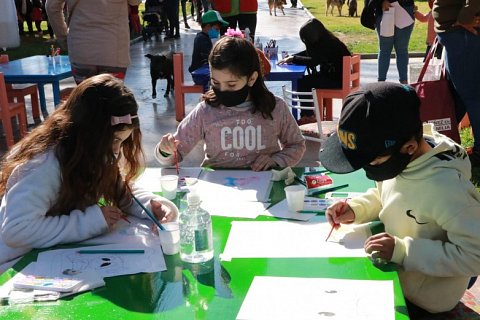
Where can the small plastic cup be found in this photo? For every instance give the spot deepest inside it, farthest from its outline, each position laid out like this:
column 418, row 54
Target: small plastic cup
column 56, row 59
column 169, row 185
column 170, row 238
column 295, row 197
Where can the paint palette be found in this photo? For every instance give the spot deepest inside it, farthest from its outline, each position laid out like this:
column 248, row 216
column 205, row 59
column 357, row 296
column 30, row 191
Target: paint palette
column 48, row 284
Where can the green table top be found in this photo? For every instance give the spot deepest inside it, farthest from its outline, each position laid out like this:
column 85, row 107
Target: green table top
column 213, row 290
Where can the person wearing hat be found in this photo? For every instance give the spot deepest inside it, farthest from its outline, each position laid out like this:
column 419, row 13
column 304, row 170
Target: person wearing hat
column 202, row 45
column 423, row 194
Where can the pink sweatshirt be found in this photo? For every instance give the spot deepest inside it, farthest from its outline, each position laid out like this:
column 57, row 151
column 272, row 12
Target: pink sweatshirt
column 234, row 137
column 430, row 27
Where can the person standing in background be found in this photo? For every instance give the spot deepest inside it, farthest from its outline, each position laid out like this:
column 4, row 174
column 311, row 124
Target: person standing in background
column 238, row 12
column 428, row 18
column 399, row 38
column 457, row 24
column 97, row 34
column 173, row 19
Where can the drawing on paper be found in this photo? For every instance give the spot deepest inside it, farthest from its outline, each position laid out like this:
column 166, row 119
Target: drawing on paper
column 240, row 182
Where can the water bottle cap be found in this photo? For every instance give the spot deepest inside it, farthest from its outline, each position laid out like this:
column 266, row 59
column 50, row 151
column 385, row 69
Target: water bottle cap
column 193, row 198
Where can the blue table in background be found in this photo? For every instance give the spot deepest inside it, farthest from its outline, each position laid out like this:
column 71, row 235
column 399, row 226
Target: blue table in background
column 38, row 70
column 286, row 72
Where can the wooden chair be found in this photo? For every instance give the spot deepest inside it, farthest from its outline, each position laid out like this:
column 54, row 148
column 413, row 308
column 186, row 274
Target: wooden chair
column 350, row 83
column 317, row 131
column 9, row 110
column 19, row 92
column 181, row 87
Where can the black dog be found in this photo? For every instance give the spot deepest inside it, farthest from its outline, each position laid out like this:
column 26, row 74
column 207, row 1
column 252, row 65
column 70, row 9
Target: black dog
column 352, row 8
column 161, row 67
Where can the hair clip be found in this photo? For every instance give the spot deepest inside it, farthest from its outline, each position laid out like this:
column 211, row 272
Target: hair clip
column 126, row 119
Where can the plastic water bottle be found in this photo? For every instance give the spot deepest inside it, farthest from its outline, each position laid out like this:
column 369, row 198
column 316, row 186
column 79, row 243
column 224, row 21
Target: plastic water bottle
column 196, row 243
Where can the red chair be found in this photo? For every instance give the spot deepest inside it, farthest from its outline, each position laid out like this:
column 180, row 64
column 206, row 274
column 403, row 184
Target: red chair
column 11, row 110
column 19, row 92
column 350, row 83
column 181, row 87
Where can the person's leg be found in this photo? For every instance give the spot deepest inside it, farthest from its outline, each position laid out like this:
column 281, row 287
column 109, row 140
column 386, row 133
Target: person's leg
column 205, row 5
column 171, row 19
column 463, row 67
column 184, row 13
column 176, row 18
column 248, row 21
column 385, row 46
column 400, row 43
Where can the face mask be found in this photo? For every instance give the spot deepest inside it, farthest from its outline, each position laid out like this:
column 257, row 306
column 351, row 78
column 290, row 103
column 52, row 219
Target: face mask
column 390, row 168
column 232, row 98
column 213, row 33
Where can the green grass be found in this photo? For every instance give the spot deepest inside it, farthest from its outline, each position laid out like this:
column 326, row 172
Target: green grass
column 358, row 38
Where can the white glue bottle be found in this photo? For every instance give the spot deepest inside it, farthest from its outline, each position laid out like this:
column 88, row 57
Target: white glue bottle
column 196, row 243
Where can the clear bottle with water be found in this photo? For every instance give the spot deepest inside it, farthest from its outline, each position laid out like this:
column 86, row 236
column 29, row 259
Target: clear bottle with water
column 196, row 243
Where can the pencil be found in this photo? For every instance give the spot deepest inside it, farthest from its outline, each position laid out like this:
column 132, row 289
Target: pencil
column 315, row 172
column 336, row 224
column 176, row 161
column 310, row 211
column 176, row 157
column 124, row 217
column 109, row 251
column 323, row 191
column 149, row 214
column 300, row 181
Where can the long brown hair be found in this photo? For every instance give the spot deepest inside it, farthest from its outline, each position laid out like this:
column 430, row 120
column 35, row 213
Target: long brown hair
column 81, row 134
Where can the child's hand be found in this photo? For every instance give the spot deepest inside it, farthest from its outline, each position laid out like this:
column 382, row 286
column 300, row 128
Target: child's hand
column 286, row 60
column 263, row 162
column 339, row 212
column 111, row 215
column 382, row 244
column 168, row 144
column 162, row 212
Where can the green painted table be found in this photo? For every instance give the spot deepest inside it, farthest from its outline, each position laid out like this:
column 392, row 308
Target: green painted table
column 213, row 290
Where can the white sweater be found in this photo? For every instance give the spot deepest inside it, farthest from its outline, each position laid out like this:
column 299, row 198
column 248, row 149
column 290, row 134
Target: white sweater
column 31, row 191
column 433, row 211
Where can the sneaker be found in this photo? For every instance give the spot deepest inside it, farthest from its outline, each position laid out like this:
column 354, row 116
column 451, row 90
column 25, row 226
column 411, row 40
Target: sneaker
column 306, row 119
column 177, row 36
column 187, row 26
column 168, row 38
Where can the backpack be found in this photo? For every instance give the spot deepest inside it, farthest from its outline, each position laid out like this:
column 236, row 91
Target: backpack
column 367, row 18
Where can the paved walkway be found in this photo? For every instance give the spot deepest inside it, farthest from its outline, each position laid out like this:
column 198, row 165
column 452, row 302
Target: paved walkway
column 158, row 115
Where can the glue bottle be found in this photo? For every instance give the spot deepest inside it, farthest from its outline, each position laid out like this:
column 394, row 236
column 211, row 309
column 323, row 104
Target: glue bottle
column 196, row 243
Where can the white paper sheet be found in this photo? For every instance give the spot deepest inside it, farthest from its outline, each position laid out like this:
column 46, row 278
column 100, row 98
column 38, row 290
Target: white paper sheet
column 106, row 265
column 283, row 298
column 237, row 209
column 244, row 185
column 402, row 17
column 280, row 210
column 287, row 239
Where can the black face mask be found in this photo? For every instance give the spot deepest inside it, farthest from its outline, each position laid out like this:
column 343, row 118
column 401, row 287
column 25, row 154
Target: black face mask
column 390, row 168
column 232, row 98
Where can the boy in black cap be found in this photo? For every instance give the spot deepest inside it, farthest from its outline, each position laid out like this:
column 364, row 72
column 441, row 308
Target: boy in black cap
column 423, row 196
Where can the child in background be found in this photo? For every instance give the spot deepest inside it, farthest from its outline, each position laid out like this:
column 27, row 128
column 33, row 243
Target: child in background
column 86, row 151
column 430, row 28
column 423, row 195
column 243, row 125
column 37, row 16
column 202, row 45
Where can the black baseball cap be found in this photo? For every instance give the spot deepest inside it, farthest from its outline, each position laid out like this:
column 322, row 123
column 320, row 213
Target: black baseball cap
column 376, row 120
